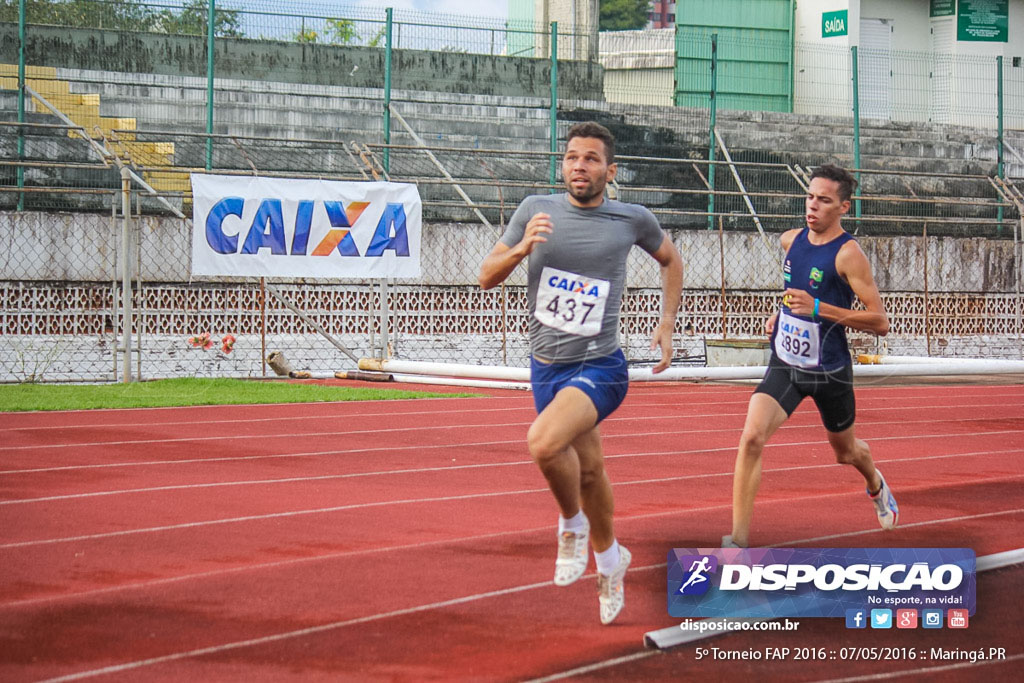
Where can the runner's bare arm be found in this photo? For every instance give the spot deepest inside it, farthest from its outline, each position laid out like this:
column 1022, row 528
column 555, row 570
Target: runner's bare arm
column 671, row 264
column 503, row 259
column 786, row 241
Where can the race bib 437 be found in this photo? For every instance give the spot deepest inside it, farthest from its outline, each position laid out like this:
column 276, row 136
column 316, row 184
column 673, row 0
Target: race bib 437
column 570, row 302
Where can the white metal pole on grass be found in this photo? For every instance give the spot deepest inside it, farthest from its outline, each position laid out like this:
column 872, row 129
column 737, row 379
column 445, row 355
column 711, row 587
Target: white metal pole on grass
column 909, row 369
column 925, row 360
column 126, row 272
column 912, row 369
column 695, row 374
column 460, row 382
column 495, row 372
column 951, row 368
column 446, row 369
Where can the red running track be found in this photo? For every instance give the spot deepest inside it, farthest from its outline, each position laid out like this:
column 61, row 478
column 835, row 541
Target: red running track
column 414, row 540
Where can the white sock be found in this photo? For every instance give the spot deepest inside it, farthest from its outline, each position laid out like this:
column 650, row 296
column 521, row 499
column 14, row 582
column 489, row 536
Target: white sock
column 574, row 524
column 608, row 560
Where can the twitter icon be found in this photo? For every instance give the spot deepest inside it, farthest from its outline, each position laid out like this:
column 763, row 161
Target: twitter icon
column 881, row 618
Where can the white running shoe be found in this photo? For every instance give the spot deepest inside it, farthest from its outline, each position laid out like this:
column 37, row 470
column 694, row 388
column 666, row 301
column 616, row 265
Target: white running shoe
column 572, row 555
column 885, row 505
column 610, row 591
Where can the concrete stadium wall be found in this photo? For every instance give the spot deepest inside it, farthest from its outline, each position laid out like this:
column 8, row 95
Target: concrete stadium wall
column 311, row 64
column 82, row 247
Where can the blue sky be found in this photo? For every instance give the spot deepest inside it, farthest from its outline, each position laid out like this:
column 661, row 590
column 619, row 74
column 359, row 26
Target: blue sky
column 482, row 8
column 449, row 20
column 459, row 8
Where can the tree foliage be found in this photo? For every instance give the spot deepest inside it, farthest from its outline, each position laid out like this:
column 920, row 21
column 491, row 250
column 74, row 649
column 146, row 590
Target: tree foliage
column 336, row 32
column 192, row 20
column 623, row 15
column 124, row 15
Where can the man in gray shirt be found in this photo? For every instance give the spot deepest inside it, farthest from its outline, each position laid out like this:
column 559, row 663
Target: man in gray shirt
column 578, row 244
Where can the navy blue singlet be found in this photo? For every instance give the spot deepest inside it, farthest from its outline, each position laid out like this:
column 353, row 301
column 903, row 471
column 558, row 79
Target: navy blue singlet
column 812, row 268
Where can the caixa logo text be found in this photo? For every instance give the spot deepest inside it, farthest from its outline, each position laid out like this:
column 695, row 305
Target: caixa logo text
column 267, row 229
column 830, row 577
column 574, row 286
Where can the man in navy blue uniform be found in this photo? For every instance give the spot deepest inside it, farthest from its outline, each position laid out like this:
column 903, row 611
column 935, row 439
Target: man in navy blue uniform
column 824, row 269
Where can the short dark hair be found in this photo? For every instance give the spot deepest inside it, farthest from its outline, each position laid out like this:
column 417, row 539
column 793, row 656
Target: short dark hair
column 847, row 183
column 592, row 129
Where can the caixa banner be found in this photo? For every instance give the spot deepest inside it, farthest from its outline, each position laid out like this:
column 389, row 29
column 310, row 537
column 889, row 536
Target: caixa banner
column 285, row 227
column 817, row 582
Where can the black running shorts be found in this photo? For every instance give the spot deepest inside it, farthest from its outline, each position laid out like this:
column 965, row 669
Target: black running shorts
column 832, row 391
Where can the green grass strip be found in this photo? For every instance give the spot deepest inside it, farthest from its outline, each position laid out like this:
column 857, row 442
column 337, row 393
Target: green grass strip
column 188, row 392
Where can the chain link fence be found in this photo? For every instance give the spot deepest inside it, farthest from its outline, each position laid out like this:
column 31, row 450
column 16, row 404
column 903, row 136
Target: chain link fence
column 946, row 295
column 302, row 93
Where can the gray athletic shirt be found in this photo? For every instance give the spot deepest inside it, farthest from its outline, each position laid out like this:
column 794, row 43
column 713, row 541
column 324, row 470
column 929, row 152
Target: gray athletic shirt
column 592, row 243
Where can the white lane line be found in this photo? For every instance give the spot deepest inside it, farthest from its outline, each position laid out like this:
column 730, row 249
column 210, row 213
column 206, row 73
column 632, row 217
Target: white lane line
column 276, row 637
column 634, row 394
column 631, row 403
column 386, row 503
column 261, row 437
column 589, row 668
column 527, row 406
column 269, row 456
column 512, row 463
column 909, row 525
column 386, row 401
column 272, row 515
column 382, row 432
column 260, row 566
column 258, row 420
column 322, row 628
column 293, row 434
column 624, row 519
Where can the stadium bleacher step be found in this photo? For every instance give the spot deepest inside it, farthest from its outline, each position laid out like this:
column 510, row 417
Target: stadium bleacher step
column 83, row 109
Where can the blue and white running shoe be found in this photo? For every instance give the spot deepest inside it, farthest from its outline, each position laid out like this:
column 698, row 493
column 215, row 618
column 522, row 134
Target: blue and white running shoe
column 885, row 505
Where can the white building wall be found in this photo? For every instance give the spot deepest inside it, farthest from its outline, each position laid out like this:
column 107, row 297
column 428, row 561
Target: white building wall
column 821, row 66
column 639, row 66
column 577, row 27
column 944, row 80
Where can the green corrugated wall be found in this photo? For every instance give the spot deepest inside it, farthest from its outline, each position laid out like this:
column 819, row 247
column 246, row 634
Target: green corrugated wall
column 755, row 53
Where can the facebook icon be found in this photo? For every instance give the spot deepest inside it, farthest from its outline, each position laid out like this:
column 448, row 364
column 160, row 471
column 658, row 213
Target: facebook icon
column 856, row 618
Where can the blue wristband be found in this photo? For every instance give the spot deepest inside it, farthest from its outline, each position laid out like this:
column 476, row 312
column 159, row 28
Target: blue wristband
column 817, row 303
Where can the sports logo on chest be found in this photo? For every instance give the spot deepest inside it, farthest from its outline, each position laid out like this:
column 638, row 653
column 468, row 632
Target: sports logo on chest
column 574, row 286
column 816, row 277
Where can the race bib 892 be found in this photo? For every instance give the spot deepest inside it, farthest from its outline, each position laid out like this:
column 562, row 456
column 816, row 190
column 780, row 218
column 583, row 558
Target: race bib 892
column 797, row 341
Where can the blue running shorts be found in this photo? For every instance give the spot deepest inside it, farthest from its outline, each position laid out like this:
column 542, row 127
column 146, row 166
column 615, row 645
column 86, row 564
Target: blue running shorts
column 604, row 380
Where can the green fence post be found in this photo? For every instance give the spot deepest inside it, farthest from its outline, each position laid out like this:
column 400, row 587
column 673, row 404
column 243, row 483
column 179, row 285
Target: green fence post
column 211, row 10
column 999, row 133
column 21, row 102
column 711, row 143
column 553, row 134
column 856, row 131
column 387, row 87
